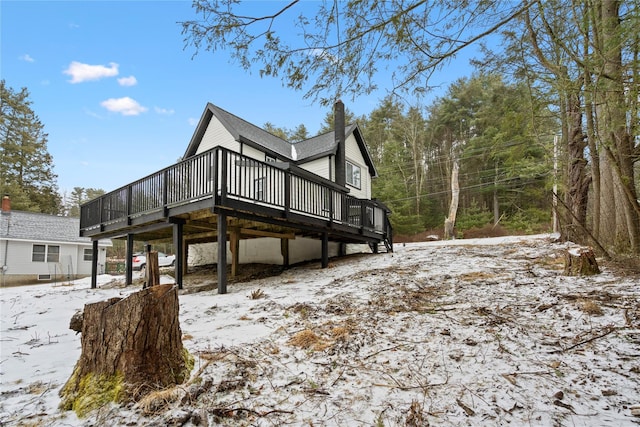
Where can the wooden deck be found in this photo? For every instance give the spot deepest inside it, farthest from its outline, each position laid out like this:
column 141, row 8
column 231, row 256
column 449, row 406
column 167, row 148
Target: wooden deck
column 223, row 193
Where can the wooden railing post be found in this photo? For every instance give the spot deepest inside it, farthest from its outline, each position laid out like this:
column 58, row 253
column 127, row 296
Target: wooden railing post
column 223, row 178
column 287, row 192
column 100, row 210
column 129, row 204
column 165, row 193
column 331, row 205
column 214, row 171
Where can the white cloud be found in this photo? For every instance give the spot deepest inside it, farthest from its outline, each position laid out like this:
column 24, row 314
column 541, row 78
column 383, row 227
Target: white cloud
column 128, row 81
column 125, row 106
column 192, row 121
column 27, row 58
column 80, row 72
column 164, row 111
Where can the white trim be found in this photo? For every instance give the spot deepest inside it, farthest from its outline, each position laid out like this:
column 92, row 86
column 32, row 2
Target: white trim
column 101, row 242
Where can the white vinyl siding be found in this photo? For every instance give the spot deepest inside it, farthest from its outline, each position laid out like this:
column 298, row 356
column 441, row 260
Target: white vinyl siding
column 217, row 135
column 321, row 167
column 252, row 152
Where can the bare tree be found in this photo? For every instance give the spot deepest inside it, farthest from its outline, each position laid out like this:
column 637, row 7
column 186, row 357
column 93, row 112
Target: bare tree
column 339, row 47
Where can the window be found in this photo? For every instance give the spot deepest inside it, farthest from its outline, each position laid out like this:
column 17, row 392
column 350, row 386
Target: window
column 39, row 253
column 88, row 255
column 268, row 158
column 53, row 253
column 259, row 189
column 49, row 253
column 353, row 175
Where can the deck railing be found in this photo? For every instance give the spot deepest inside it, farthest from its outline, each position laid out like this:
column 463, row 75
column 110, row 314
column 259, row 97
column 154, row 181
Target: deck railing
column 220, row 174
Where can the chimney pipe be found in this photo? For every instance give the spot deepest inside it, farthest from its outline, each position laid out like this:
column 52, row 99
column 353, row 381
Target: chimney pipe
column 339, row 125
column 6, row 204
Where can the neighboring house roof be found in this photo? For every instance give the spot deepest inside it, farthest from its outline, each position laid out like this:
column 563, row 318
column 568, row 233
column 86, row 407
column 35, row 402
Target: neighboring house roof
column 301, row 152
column 38, row 227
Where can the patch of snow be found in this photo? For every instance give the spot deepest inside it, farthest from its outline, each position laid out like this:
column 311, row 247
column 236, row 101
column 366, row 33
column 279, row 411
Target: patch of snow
column 463, row 332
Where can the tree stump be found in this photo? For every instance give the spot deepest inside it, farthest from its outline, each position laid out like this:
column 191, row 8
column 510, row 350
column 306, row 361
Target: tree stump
column 130, row 346
column 580, row 262
column 152, row 270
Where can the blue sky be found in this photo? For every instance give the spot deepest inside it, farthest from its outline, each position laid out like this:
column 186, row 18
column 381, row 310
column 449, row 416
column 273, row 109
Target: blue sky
column 118, row 93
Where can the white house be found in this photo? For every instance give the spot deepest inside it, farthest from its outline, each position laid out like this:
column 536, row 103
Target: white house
column 320, row 155
column 37, row 248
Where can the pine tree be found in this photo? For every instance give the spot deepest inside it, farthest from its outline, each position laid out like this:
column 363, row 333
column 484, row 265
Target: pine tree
column 26, row 167
column 78, row 196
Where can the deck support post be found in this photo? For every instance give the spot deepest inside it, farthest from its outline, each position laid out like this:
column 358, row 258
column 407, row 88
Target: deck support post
column 129, row 261
column 178, row 246
column 222, row 253
column 94, row 264
column 325, row 250
column 284, row 250
column 234, row 243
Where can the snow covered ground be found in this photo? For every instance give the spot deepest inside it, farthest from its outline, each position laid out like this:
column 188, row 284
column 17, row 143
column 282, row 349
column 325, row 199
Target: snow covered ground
column 469, row 332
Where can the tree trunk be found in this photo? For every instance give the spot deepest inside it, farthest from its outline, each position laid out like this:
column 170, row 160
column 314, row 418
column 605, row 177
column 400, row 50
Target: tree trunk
column 450, row 221
column 496, row 201
column 152, row 270
column 578, row 184
column 130, row 346
column 614, row 133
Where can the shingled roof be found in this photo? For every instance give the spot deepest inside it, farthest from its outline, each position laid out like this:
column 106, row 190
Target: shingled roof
column 38, row 227
column 300, row 152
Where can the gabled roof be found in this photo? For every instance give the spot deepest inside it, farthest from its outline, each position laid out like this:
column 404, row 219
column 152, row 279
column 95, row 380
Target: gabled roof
column 301, row 152
column 325, row 144
column 38, row 227
column 242, row 131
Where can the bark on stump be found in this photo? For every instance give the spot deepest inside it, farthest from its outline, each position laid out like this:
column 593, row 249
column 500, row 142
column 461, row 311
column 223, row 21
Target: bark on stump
column 152, row 270
column 580, row 262
column 130, row 346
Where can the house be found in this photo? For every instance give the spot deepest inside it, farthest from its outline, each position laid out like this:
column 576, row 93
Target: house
column 36, row 248
column 257, row 197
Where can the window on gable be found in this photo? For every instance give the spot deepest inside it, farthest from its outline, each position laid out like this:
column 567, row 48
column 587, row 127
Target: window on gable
column 39, row 253
column 353, row 175
column 88, row 255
